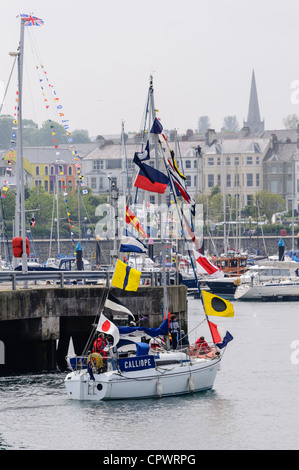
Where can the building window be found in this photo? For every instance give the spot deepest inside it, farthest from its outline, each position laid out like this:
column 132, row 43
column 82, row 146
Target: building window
column 195, row 181
column 46, row 170
column 227, row 161
column 113, row 163
column 51, row 186
column 237, row 181
column 195, row 164
column 93, row 183
column 218, row 161
column 101, row 185
column 249, row 160
column 228, row 181
column 70, row 185
column 52, row 170
column 210, row 181
column 188, row 164
column 218, row 180
column 210, row 161
column 70, row 170
column 46, row 185
column 237, row 160
column 257, row 179
column 249, row 177
column 37, row 171
column 98, row 165
column 257, row 161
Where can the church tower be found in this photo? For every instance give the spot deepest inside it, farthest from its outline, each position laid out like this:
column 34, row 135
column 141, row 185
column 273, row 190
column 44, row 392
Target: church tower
column 254, row 120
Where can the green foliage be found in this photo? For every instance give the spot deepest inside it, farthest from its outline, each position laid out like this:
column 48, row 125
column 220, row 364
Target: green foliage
column 33, row 136
column 43, row 205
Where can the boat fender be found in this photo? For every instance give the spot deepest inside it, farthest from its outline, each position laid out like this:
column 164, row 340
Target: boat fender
column 96, row 360
column 159, row 388
column 191, row 383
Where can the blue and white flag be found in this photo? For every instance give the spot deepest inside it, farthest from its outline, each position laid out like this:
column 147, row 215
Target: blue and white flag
column 130, row 244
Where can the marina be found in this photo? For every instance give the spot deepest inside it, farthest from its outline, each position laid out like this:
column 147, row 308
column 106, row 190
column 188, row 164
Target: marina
column 135, row 310
column 253, row 405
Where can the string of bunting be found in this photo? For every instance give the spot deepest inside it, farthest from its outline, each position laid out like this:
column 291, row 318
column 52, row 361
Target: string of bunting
column 65, row 123
column 8, row 171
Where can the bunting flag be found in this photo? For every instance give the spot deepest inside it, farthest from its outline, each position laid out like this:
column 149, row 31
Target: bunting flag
column 106, row 326
column 125, row 277
column 31, row 20
column 220, row 336
column 142, row 156
column 150, row 179
column 179, row 187
column 156, row 127
column 175, row 166
column 131, row 244
column 114, row 304
column 216, row 306
column 191, row 234
column 205, row 266
column 132, row 220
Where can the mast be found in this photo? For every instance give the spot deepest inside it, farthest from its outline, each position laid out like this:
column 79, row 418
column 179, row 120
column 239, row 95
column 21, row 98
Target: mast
column 20, row 229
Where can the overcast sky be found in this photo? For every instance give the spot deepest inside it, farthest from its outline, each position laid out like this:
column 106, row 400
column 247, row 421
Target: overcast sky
column 99, row 55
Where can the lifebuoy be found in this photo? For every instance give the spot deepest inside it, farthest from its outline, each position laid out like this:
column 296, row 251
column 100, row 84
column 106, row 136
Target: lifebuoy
column 17, row 247
column 96, row 360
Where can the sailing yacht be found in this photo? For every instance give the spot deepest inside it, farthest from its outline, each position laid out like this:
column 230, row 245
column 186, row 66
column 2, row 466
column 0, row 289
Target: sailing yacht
column 131, row 366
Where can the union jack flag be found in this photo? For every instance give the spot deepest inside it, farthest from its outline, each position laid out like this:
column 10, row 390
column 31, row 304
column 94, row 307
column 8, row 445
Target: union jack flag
column 31, row 20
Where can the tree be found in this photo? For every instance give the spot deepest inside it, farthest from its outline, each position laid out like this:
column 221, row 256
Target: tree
column 270, row 203
column 291, row 121
column 230, row 123
column 203, row 124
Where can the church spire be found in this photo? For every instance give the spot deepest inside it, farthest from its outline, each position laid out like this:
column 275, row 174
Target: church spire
column 254, row 120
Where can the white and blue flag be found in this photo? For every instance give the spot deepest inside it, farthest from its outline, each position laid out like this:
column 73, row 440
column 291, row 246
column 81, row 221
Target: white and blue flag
column 131, row 244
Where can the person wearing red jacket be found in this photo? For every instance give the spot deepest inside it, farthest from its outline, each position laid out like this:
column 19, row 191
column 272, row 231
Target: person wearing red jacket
column 202, row 346
column 99, row 345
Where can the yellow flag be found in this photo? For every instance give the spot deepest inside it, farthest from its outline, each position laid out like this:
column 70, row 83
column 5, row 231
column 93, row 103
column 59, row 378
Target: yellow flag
column 217, row 306
column 125, row 278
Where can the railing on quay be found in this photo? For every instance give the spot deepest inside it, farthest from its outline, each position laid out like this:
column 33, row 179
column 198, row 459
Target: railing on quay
column 66, row 278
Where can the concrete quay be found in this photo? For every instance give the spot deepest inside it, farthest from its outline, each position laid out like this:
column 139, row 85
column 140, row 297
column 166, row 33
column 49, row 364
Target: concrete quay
column 36, row 323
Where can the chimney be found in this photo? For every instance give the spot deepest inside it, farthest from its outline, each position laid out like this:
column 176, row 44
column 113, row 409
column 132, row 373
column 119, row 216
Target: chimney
column 273, row 140
column 210, row 136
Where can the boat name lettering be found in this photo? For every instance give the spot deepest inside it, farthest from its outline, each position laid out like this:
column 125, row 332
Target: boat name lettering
column 136, row 363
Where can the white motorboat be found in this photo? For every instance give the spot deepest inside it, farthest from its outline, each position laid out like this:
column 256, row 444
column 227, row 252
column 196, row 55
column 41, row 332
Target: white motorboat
column 268, row 283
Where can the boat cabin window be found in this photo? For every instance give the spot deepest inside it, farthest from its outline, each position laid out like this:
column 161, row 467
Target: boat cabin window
column 233, row 263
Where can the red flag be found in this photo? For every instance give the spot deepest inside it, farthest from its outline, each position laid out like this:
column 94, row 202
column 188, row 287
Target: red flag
column 207, row 267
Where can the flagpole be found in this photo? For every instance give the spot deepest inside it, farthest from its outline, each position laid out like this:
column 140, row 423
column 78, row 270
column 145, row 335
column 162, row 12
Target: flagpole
column 20, row 147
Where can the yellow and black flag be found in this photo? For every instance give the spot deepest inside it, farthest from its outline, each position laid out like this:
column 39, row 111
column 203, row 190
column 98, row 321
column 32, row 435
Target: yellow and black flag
column 217, row 306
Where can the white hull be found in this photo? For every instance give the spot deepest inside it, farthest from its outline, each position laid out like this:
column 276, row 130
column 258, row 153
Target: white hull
column 161, row 381
column 264, row 290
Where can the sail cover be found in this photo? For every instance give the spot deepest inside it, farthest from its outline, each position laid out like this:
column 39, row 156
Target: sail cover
column 161, row 330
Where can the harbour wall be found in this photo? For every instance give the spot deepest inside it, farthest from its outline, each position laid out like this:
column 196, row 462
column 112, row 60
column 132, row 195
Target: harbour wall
column 36, row 323
column 267, row 245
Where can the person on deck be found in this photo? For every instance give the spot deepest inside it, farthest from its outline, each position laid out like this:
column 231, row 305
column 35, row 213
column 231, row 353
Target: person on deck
column 174, row 329
column 202, row 346
column 99, row 345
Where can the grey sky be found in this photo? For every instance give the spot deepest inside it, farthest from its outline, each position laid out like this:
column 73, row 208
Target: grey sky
column 99, row 56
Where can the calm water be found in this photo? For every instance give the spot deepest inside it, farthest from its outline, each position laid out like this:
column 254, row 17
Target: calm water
column 254, row 404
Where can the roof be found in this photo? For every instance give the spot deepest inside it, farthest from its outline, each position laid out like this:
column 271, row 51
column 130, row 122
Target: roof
column 282, row 151
column 238, row 146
